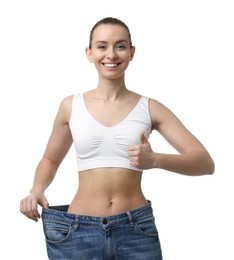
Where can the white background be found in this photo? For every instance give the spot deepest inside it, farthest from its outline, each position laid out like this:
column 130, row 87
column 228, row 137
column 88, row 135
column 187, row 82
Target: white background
column 184, row 58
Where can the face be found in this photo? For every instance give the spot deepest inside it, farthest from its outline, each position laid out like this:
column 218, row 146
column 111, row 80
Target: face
column 111, row 51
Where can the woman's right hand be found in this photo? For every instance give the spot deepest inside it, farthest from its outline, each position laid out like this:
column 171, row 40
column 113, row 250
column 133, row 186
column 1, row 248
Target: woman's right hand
column 29, row 205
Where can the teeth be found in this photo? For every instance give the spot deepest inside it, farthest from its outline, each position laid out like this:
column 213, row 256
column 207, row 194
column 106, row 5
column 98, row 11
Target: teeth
column 110, row 65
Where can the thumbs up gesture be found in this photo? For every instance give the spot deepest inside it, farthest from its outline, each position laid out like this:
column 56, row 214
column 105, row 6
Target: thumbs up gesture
column 141, row 155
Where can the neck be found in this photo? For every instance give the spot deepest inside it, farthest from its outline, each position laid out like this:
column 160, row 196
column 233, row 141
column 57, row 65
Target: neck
column 111, row 90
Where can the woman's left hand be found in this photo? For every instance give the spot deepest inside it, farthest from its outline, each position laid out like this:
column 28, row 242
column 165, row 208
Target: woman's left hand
column 141, row 155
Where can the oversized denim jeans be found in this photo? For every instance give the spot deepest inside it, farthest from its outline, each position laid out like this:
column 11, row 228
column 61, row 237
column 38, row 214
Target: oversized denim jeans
column 131, row 235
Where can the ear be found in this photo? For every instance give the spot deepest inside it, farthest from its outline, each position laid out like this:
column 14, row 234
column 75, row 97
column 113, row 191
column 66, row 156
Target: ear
column 133, row 49
column 89, row 54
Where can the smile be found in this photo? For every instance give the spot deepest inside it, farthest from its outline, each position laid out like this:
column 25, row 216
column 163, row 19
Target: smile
column 111, row 65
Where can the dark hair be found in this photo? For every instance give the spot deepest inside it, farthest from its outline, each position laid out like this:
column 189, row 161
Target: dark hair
column 109, row 20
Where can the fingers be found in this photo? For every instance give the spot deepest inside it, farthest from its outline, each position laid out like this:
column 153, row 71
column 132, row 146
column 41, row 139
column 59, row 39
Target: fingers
column 139, row 153
column 44, row 203
column 28, row 207
column 133, row 155
column 134, row 161
column 134, row 150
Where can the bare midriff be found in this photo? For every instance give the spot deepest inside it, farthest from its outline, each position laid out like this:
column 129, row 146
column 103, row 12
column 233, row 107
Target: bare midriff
column 107, row 191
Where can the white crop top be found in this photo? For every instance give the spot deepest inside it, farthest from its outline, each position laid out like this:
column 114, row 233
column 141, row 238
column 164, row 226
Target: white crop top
column 99, row 146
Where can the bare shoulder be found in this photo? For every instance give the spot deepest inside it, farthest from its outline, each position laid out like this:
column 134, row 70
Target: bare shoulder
column 65, row 108
column 67, row 101
column 157, row 107
column 160, row 113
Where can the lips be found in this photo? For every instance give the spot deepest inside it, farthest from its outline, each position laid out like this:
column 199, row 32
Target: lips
column 111, row 65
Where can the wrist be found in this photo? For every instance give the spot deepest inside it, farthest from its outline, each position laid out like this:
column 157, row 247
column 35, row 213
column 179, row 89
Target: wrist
column 156, row 160
column 36, row 191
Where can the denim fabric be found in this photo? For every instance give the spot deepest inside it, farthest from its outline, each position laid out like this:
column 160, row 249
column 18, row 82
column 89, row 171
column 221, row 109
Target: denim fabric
column 130, row 235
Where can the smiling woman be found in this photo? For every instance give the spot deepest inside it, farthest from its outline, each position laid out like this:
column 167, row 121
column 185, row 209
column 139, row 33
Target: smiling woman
column 110, row 49
column 109, row 126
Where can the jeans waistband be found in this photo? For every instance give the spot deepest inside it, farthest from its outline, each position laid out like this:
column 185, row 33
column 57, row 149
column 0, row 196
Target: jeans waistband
column 59, row 213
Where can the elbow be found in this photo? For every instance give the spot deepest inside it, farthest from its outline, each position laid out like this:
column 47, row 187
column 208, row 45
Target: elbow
column 211, row 167
column 207, row 165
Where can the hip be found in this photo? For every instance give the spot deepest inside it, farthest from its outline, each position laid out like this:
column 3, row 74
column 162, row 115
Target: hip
column 126, row 235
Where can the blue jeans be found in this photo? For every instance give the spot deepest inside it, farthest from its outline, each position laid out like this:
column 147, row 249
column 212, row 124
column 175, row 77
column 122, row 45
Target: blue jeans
column 130, row 235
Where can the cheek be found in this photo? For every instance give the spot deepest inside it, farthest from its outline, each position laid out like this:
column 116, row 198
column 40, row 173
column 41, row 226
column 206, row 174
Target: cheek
column 96, row 57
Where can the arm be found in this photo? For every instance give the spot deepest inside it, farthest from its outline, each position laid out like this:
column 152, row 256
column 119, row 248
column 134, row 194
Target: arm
column 192, row 158
column 57, row 147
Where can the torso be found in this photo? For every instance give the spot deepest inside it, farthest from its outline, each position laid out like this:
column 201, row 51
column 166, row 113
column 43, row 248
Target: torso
column 107, row 191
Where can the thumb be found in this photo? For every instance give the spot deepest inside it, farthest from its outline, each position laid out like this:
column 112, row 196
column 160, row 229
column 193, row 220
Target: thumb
column 142, row 137
column 44, row 203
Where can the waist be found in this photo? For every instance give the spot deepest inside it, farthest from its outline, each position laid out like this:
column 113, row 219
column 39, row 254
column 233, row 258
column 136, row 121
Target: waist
column 102, row 207
column 107, row 191
column 61, row 213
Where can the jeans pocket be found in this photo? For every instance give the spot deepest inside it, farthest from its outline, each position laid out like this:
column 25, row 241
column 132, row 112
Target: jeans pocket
column 146, row 226
column 56, row 232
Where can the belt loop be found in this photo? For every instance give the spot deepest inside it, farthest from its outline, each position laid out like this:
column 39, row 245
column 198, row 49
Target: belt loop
column 130, row 218
column 76, row 224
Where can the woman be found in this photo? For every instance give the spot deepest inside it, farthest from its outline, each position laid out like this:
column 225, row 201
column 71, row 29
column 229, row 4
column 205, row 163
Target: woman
column 109, row 217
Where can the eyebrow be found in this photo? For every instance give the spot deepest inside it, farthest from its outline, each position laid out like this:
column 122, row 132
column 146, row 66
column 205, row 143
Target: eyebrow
column 98, row 42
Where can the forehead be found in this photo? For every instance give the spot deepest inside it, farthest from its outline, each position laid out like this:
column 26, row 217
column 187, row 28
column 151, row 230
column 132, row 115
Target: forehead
column 114, row 32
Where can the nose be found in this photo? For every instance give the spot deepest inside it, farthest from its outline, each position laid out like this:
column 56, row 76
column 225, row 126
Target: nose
column 111, row 53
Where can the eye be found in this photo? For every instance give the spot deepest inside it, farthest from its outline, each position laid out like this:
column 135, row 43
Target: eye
column 101, row 47
column 121, row 47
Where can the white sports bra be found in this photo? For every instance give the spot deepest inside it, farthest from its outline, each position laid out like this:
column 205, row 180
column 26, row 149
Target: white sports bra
column 99, row 146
